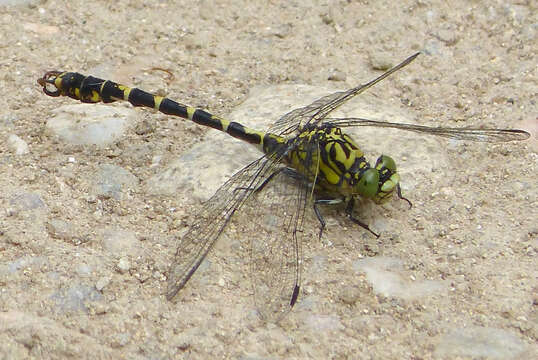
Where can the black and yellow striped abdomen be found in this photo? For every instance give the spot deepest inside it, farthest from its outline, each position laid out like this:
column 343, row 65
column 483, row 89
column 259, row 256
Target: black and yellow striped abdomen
column 89, row 89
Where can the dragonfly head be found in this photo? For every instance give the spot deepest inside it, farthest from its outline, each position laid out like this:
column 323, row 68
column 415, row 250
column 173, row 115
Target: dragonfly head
column 380, row 182
column 389, row 179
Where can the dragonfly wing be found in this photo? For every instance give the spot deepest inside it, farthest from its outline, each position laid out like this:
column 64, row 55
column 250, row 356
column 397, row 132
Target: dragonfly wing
column 211, row 221
column 474, row 134
column 319, row 109
column 297, row 118
column 277, row 234
column 276, row 229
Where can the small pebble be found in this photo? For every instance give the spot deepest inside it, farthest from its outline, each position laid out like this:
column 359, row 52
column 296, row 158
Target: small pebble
column 26, row 201
column 337, row 75
column 17, row 145
column 123, row 265
column 349, row 295
column 59, row 229
column 381, row 61
column 102, row 283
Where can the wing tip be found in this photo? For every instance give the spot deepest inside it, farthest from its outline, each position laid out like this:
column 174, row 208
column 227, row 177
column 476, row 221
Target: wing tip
column 294, row 295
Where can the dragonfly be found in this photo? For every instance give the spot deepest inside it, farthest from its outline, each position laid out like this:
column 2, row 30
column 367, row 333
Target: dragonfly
column 307, row 160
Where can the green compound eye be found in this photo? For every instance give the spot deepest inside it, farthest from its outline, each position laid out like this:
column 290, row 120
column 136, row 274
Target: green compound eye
column 386, row 162
column 369, row 183
column 389, row 179
column 390, row 184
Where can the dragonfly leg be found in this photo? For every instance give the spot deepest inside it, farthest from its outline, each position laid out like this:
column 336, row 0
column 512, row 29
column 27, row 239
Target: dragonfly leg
column 321, row 220
column 266, row 181
column 286, row 170
column 349, row 212
column 399, row 190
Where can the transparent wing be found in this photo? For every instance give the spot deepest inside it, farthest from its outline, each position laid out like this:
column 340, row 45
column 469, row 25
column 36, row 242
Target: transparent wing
column 314, row 113
column 277, row 233
column 212, row 219
column 474, row 134
column 276, row 230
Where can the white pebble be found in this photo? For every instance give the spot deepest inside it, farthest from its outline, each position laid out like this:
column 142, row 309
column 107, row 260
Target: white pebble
column 18, row 145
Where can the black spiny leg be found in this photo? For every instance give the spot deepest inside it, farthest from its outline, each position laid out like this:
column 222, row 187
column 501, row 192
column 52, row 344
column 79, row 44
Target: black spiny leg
column 399, row 189
column 349, row 213
column 285, row 170
column 321, row 220
column 269, row 178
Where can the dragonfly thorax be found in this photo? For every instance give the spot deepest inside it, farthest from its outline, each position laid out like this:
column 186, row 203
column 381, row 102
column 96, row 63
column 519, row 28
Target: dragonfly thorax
column 333, row 161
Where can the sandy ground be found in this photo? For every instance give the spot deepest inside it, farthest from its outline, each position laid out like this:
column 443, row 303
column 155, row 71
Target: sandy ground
column 82, row 274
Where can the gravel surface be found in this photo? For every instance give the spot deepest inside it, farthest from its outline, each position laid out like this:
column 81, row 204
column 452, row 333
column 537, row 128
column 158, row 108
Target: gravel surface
column 95, row 197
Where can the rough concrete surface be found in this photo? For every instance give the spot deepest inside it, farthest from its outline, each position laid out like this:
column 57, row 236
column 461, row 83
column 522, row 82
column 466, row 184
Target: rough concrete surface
column 94, row 198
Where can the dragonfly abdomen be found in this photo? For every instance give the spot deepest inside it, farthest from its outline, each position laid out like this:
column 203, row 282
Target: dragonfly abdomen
column 89, row 89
